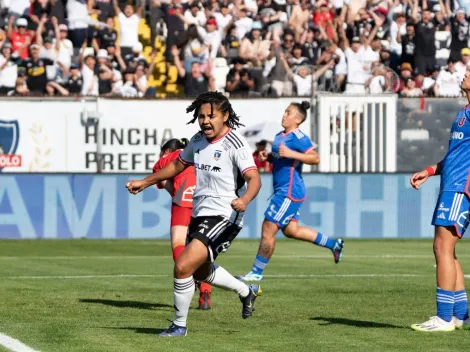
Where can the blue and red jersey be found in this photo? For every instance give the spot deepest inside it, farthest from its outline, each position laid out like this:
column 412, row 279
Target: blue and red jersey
column 287, row 173
column 455, row 174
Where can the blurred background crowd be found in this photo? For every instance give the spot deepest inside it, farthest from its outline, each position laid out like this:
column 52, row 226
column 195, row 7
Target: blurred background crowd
column 247, row 48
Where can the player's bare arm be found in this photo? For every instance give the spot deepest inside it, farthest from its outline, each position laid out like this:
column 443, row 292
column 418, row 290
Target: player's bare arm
column 309, row 158
column 420, row 177
column 169, row 171
column 253, row 185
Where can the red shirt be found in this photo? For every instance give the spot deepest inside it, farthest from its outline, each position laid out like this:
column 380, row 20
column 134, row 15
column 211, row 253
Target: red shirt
column 183, row 184
column 263, row 166
column 320, row 19
column 17, row 40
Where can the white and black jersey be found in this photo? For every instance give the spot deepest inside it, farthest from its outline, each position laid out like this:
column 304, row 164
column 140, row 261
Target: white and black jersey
column 219, row 165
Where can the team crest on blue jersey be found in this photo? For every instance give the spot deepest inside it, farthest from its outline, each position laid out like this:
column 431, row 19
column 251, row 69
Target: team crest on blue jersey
column 217, row 154
column 462, row 121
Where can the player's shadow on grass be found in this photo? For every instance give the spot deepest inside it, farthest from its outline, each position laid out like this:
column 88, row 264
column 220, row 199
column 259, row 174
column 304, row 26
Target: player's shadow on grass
column 126, row 304
column 137, row 330
column 356, row 323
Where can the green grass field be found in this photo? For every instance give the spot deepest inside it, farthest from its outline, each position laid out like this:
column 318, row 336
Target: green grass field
column 82, row 295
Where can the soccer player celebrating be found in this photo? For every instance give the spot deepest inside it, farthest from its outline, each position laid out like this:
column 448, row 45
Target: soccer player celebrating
column 223, row 163
column 291, row 148
column 181, row 189
column 451, row 219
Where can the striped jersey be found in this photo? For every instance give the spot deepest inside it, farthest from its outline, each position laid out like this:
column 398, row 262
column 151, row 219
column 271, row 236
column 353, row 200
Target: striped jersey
column 455, row 174
column 219, row 165
column 287, row 173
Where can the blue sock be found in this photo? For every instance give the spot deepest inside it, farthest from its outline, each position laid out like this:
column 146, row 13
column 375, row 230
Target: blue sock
column 259, row 264
column 461, row 305
column 445, row 304
column 324, row 241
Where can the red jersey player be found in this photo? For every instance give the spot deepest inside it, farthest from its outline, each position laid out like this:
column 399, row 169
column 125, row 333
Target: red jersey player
column 181, row 189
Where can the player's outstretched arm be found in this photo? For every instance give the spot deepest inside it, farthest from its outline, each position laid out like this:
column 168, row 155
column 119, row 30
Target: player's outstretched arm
column 169, row 171
column 420, row 177
column 253, row 186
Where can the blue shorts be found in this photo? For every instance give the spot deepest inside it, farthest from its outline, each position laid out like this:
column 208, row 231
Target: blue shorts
column 452, row 209
column 282, row 210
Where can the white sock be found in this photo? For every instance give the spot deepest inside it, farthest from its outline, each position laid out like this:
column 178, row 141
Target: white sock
column 183, row 293
column 220, row 277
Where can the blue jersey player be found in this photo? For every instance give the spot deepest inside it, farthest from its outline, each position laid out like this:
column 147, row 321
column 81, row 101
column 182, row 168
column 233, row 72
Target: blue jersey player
column 451, row 219
column 291, row 148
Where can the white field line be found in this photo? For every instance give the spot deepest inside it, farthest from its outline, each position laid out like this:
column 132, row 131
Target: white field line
column 280, row 276
column 133, row 257
column 14, row 345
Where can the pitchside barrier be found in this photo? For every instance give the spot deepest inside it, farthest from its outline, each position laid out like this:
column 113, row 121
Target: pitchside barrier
column 112, row 135
column 357, row 133
column 99, row 206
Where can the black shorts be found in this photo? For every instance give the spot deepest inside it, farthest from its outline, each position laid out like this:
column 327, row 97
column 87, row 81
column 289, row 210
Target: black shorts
column 216, row 232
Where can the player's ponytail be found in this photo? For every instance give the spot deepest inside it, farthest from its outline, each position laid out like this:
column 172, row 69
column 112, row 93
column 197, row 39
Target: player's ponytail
column 302, row 108
column 174, row 144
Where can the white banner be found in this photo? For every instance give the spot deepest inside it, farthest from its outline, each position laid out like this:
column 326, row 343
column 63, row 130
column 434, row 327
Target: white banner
column 62, row 136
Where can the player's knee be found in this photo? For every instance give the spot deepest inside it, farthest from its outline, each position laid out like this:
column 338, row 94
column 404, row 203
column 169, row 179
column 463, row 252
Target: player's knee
column 442, row 248
column 288, row 232
column 268, row 230
column 182, row 269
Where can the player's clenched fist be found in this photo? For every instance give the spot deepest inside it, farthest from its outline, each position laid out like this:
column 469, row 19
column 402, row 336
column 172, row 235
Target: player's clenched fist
column 284, row 151
column 263, row 155
column 238, row 205
column 136, row 186
column 418, row 179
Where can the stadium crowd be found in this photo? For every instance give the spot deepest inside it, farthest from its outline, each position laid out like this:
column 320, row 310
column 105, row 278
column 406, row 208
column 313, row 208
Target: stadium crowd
column 244, row 47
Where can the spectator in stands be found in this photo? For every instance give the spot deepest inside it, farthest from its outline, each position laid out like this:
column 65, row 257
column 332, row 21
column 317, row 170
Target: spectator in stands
column 211, row 37
column 460, row 30
column 299, row 18
column 427, row 84
column 129, row 89
column 410, row 90
column 463, row 64
column 128, row 26
column 254, row 49
column 425, row 53
column 239, row 80
column 90, row 80
column 242, row 22
column 379, row 82
column 19, row 8
column 303, row 77
column 19, row 38
column 448, row 82
column 406, row 72
column 8, row 70
column 104, row 9
column 175, row 25
column 73, row 85
column 280, row 84
column 440, row 18
column 408, row 44
column 78, row 19
column 21, row 87
column 36, row 71
column 39, row 11
column 194, row 48
column 231, row 44
column 263, row 166
column 194, row 15
column 397, row 30
column 195, row 82
column 105, row 37
column 63, row 45
column 223, row 18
